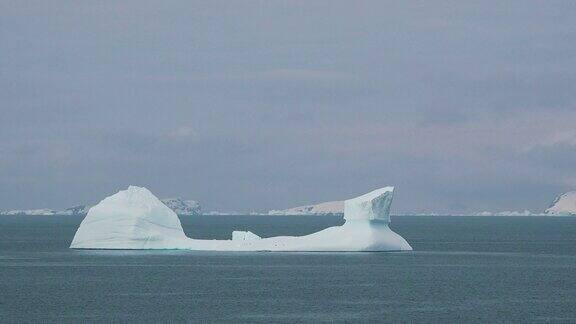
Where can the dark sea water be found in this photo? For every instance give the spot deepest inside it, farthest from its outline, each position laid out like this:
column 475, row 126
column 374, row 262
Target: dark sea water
column 463, row 269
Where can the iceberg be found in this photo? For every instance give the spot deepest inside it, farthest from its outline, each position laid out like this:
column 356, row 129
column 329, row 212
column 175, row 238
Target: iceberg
column 135, row 219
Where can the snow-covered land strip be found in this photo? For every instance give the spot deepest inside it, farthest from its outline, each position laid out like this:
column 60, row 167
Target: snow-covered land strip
column 183, row 207
column 31, row 212
column 508, row 213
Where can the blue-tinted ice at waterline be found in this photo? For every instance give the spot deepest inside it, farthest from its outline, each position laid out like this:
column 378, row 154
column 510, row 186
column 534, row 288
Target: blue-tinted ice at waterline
column 462, row 269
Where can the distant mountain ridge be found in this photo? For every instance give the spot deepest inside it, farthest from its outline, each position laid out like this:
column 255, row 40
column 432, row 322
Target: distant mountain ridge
column 178, row 205
column 564, row 204
column 325, row 208
column 183, row 207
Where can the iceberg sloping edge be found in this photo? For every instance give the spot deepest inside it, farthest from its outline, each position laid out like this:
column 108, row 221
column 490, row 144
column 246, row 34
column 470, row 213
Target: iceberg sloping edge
column 135, row 219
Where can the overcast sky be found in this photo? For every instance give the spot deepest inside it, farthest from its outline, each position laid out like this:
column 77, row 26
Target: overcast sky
column 253, row 105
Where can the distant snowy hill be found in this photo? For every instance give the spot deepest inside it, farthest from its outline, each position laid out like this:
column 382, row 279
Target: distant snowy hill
column 325, row 208
column 565, row 204
column 183, row 207
column 76, row 210
column 482, row 213
column 178, row 205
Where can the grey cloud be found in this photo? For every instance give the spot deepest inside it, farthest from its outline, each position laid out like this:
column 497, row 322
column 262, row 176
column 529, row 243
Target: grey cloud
column 462, row 106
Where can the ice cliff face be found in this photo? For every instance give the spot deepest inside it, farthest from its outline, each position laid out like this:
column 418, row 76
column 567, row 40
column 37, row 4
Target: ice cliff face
column 326, row 208
column 374, row 205
column 564, row 204
column 183, row 207
column 131, row 219
column 136, row 219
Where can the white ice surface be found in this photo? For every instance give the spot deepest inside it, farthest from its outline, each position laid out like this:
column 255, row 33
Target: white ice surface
column 136, row 219
column 244, row 236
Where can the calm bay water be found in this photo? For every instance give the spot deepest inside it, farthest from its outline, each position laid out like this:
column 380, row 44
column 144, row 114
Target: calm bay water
column 463, row 269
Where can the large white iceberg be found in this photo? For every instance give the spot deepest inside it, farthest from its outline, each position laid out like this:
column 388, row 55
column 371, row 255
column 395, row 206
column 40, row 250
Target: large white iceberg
column 131, row 219
column 136, row 219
